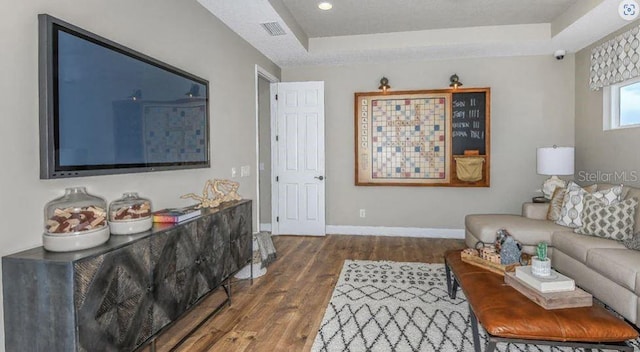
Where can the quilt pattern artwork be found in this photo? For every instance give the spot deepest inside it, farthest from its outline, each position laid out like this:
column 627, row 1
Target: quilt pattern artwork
column 175, row 132
column 403, row 139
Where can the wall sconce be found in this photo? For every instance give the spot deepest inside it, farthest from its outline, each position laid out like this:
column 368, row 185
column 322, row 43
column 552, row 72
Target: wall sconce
column 455, row 81
column 384, row 84
column 136, row 94
column 194, row 91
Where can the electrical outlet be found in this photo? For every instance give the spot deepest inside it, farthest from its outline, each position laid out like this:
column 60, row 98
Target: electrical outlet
column 363, row 213
column 234, row 172
column 244, row 171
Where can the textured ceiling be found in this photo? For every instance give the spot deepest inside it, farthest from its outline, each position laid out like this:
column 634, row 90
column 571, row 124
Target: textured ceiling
column 350, row 17
column 410, row 30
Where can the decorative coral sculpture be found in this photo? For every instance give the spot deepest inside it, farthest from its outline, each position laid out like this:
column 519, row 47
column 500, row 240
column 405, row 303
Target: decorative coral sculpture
column 216, row 192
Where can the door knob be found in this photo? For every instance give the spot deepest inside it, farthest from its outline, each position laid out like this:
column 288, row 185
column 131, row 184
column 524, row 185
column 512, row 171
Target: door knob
column 320, row 178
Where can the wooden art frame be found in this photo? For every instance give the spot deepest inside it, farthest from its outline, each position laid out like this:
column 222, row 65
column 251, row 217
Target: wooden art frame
column 419, row 138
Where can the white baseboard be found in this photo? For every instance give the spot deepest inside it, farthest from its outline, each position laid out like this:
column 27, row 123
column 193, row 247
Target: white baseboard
column 387, row 231
column 395, row 231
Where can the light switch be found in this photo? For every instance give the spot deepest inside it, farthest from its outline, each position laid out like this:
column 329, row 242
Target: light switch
column 244, row 171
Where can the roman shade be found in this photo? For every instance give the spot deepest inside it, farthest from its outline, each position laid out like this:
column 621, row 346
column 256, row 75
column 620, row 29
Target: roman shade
column 616, row 60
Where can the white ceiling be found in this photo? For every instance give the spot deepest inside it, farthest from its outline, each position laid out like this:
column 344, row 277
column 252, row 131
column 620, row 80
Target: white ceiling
column 351, row 17
column 357, row 31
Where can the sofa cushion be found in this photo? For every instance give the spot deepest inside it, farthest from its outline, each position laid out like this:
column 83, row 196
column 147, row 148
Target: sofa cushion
column 536, row 211
column 621, row 266
column 612, row 294
column 608, row 221
column 578, row 246
column 526, row 231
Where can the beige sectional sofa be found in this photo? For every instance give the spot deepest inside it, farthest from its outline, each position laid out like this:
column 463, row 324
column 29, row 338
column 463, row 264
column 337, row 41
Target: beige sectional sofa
column 603, row 267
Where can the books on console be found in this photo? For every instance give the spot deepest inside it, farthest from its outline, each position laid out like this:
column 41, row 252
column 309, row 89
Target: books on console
column 173, row 215
column 556, row 282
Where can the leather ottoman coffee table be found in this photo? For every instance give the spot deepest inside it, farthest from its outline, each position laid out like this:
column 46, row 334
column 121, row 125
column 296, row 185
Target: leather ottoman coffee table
column 509, row 316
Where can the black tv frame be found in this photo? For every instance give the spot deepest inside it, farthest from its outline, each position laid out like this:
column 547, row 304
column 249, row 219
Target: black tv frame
column 47, row 90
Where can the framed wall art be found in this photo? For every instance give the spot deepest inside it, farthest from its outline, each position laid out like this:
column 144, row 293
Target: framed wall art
column 422, row 138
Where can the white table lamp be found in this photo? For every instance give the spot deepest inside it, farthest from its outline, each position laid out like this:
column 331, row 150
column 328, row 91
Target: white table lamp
column 554, row 161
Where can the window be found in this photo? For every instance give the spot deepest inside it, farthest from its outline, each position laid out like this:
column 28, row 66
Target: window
column 622, row 105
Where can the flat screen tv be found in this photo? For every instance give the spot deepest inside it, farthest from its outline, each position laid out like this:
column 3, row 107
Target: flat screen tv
column 107, row 109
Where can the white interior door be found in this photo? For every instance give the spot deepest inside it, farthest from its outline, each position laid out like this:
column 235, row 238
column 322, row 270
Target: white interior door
column 298, row 159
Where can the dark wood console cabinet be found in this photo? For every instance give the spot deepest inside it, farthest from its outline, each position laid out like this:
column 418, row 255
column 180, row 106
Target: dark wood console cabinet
column 117, row 296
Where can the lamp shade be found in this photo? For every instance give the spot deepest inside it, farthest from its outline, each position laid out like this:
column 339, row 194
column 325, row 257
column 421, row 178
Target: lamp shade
column 555, row 161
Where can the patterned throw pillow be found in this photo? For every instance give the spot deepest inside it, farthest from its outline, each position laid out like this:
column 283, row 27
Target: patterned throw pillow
column 609, row 196
column 555, row 204
column 608, row 221
column 572, row 205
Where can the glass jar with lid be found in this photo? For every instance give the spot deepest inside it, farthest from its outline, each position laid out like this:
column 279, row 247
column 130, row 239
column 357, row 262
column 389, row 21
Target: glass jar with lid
column 130, row 214
column 77, row 220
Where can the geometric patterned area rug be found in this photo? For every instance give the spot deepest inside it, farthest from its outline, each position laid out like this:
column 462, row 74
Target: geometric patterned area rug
column 393, row 306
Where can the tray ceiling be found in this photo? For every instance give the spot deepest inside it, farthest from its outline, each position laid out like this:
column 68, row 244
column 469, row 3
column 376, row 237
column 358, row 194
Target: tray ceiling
column 357, row 31
column 351, row 17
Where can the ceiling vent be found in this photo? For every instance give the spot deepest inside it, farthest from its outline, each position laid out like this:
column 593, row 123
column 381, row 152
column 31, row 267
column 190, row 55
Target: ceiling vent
column 273, row 28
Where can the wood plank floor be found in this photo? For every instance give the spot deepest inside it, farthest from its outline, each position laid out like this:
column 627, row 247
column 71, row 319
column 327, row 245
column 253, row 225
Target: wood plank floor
column 283, row 309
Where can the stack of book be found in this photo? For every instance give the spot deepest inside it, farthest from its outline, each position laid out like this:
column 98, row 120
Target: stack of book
column 556, row 282
column 174, row 215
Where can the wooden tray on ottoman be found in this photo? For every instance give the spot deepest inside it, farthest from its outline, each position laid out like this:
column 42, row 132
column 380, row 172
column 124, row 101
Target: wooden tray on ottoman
column 485, row 264
column 550, row 300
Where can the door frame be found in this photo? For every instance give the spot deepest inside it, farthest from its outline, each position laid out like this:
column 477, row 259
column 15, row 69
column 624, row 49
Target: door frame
column 275, row 204
column 263, row 73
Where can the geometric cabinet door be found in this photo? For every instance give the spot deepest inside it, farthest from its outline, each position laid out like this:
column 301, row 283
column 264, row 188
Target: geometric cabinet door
column 113, row 299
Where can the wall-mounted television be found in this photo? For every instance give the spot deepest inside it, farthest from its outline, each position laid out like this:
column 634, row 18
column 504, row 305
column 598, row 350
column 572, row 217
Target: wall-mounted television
column 107, row 109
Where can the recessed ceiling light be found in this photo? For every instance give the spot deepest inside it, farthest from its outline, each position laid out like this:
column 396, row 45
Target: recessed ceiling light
column 325, row 6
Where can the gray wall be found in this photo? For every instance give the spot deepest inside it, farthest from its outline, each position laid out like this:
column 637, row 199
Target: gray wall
column 607, row 156
column 532, row 103
column 181, row 33
column 264, row 121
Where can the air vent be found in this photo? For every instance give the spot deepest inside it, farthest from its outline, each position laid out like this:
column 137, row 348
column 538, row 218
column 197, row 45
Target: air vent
column 273, row 28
